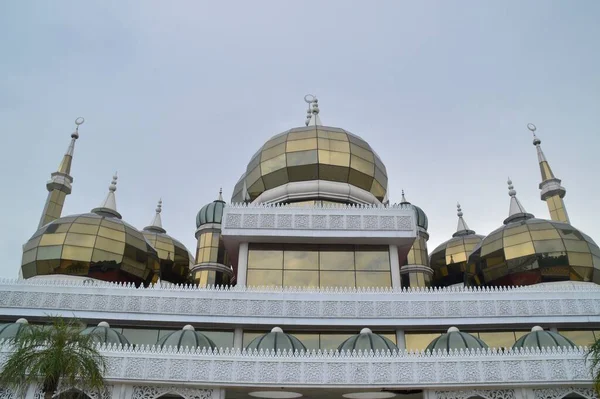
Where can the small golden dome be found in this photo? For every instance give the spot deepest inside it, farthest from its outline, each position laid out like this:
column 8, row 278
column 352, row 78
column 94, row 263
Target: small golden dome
column 529, row 251
column 314, row 153
column 449, row 259
column 174, row 258
column 96, row 245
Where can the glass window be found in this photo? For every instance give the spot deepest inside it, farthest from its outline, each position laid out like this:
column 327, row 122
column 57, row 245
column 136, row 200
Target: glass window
column 139, row 336
column 332, row 341
column 374, row 279
column 419, row 341
column 372, row 258
column 580, row 338
column 265, row 257
column 300, row 278
column 337, row 279
column 222, row 339
column 301, row 257
column 258, row 277
column 500, row 339
column 337, row 257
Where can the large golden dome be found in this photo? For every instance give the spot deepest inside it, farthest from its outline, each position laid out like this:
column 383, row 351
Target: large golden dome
column 528, row 251
column 318, row 154
column 96, row 245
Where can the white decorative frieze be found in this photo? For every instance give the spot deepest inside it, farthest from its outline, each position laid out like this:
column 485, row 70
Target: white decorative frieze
column 557, row 304
column 393, row 223
column 155, row 371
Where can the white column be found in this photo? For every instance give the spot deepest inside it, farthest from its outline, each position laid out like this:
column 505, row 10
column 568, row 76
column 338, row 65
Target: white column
column 30, row 392
column 238, row 338
column 395, row 265
column 242, row 268
column 400, row 339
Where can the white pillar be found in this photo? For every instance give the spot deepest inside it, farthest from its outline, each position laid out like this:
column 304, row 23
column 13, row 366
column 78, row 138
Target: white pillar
column 242, row 268
column 238, row 338
column 395, row 266
column 400, row 339
column 30, row 392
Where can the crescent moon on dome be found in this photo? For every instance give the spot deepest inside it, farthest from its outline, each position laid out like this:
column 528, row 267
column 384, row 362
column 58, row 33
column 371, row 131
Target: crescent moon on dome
column 531, row 127
column 79, row 121
column 309, row 98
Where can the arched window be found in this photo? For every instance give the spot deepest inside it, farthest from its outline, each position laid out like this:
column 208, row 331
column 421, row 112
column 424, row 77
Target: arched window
column 72, row 394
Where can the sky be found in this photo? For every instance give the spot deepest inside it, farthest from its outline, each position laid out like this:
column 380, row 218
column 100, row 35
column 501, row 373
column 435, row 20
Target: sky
column 177, row 97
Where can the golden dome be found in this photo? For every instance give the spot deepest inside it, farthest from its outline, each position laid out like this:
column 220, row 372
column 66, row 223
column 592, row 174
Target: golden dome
column 529, row 251
column 174, row 258
column 96, row 245
column 449, row 259
column 314, row 153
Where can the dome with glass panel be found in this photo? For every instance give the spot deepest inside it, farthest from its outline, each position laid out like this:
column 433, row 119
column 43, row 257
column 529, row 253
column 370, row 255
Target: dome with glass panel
column 314, row 163
column 539, row 338
column 186, row 337
column 276, row 340
column 102, row 333
column 211, row 213
column 99, row 245
column 174, row 258
column 366, row 340
column 449, row 259
column 526, row 251
column 12, row 330
column 455, row 339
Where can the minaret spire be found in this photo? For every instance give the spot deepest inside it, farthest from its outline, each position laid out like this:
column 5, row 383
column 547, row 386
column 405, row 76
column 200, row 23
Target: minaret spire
column 516, row 210
column 59, row 185
column 551, row 190
column 109, row 205
column 461, row 229
column 156, row 224
column 312, row 114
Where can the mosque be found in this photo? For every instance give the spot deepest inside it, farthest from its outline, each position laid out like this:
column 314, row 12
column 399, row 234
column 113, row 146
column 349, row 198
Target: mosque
column 311, row 282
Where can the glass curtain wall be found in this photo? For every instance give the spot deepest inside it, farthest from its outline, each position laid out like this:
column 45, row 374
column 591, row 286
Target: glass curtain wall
column 297, row 265
column 316, row 340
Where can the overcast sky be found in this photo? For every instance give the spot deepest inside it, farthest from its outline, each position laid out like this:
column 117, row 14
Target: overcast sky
column 178, row 95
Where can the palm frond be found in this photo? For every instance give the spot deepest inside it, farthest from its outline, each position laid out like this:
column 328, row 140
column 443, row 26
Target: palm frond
column 53, row 355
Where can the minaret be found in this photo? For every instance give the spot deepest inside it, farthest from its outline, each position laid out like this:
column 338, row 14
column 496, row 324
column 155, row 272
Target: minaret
column 551, row 190
column 59, row 185
column 212, row 261
column 415, row 270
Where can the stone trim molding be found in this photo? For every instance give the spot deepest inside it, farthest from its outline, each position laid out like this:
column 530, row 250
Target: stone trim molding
column 467, row 369
column 559, row 305
column 246, row 219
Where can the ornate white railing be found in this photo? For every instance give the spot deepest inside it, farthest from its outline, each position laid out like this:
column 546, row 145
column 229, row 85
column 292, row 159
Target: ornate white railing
column 557, row 305
column 225, row 368
column 363, row 221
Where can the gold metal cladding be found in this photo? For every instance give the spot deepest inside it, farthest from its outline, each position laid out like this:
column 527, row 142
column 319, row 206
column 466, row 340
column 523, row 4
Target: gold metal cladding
column 174, row 258
column 448, row 260
column 313, row 153
column 90, row 245
column 534, row 251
